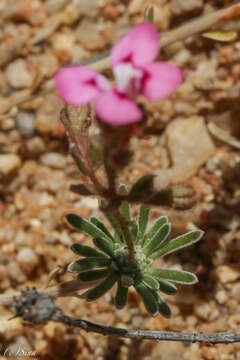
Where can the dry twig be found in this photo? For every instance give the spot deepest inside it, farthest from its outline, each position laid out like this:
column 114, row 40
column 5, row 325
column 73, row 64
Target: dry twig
column 38, row 308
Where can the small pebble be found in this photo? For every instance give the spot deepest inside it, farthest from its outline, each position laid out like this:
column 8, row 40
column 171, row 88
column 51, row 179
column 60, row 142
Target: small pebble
column 27, row 259
column 7, row 124
column 15, row 273
column 227, row 274
column 18, row 75
column 202, row 309
column 25, row 123
column 9, row 163
column 48, row 114
column 54, row 160
column 221, row 296
column 63, row 45
column 10, row 329
column 36, row 145
column 53, row 6
column 90, row 35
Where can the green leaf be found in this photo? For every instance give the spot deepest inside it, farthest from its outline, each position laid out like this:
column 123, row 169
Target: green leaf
column 94, row 220
column 177, row 276
column 150, row 282
column 118, row 235
column 148, row 298
column 155, row 228
column 88, row 263
column 179, row 243
column 134, row 231
column 126, row 210
column 163, row 307
column 143, row 187
column 92, row 275
column 87, row 251
column 166, row 287
column 154, row 244
column 101, row 289
column 143, row 217
column 85, row 226
column 121, row 296
column 105, row 246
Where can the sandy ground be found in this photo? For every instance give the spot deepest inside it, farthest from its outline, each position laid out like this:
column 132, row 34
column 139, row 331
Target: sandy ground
column 36, row 38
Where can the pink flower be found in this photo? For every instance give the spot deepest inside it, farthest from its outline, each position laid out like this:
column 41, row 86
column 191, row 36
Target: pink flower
column 135, row 73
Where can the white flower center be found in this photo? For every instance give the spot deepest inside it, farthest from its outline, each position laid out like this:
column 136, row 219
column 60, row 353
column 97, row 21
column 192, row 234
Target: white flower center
column 128, row 78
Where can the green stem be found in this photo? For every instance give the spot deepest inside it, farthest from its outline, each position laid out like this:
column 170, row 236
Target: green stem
column 126, row 233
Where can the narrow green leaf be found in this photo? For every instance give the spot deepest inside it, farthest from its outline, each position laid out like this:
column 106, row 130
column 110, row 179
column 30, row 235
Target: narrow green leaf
column 148, row 298
column 143, row 217
column 87, row 251
column 92, row 275
column 105, row 246
column 166, row 287
column 177, row 276
column 179, row 243
column 163, row 307
column 150, row 282
column 88, row 263
column 154, row 244
column 101, row 289
column 143, row 187
column 154, row 229
column 94, row 220
column 126, row 210
column 85, row 226
column 134, row 231
column 121, row 296
column 116, row 227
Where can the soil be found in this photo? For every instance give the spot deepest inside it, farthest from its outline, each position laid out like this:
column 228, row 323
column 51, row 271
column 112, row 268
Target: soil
column 37, row 37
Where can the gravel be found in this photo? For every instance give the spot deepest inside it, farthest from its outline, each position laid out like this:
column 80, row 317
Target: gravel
column 54, row 160
column 18, row 75
column 25, row 122
column 9, row 163
column 27, row 259
column 37, row 37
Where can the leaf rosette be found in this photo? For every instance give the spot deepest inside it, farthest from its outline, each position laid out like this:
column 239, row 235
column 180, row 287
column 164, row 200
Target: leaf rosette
column 108, row 263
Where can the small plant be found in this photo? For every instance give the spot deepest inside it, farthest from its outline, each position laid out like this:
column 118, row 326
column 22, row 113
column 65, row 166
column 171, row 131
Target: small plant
column 100, row 144
column 112, row 263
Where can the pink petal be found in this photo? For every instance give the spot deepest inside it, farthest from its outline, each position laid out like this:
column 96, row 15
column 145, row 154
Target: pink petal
column 117, row 109
column 78, row 85
column 140, row 46
column 161, row 79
